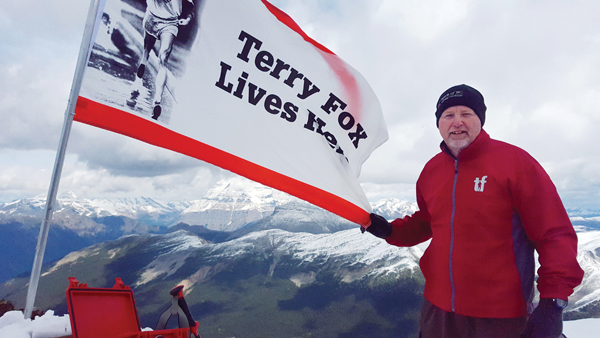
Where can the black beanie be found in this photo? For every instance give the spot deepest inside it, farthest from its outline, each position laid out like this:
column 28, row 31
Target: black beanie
column 461, row 95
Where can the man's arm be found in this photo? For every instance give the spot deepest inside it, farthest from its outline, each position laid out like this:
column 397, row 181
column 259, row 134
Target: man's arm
column 549, row 228
column 410, row 230
column 187, row 13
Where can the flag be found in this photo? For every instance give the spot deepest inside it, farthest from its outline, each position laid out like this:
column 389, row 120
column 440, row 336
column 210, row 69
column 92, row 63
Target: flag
column 238, row 84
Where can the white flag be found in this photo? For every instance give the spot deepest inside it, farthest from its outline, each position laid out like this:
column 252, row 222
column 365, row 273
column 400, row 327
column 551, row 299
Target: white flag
column 238, row 84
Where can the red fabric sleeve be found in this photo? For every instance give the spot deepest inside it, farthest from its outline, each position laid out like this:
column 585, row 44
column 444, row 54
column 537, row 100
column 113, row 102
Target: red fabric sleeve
column 548, row 227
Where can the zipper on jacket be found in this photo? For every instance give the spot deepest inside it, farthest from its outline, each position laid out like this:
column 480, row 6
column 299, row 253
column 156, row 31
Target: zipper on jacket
column 452, row 233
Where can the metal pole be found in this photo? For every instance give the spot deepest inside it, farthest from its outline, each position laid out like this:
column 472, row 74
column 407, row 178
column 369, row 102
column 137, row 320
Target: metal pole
column 84, row 51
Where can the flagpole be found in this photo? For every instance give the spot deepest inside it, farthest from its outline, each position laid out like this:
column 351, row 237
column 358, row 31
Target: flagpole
column 82, row 60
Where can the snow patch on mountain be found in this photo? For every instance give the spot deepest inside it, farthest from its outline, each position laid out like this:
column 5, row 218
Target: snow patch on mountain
column 349, row 250
column 179, row 246
column 70, row 259
column 349, row 254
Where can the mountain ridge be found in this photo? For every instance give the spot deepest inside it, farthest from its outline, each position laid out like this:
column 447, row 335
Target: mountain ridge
column 230, row 210
column 311, row 272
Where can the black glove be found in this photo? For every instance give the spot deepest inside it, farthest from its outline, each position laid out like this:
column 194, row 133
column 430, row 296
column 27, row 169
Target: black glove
column 379, row 227
column 545, row 321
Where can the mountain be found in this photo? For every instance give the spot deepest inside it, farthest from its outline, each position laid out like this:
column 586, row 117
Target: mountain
column 269, row 283
column 231, row 209
column 80, row 215
column 585, row 301
column 329, row 283
column 232, row 204
column 393, row 208
column 342, row 284
column 76, row 224
column 585, row 219
column 229, row 205
column 584, row 213
column 298, row 216
column 246, row 248
column 586, row 223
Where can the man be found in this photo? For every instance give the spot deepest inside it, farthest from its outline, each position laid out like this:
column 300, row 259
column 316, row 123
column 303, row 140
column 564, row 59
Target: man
column 486, row 205
column 161, row 21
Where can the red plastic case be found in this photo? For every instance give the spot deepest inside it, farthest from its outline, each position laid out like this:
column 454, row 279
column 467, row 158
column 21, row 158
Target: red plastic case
column 108, row 313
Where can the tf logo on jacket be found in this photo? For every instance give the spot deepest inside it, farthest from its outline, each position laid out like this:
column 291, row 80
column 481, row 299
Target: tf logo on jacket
column 480, row 184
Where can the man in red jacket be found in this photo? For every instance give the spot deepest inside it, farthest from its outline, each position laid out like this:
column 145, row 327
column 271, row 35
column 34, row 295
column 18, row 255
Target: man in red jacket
column 486, row 205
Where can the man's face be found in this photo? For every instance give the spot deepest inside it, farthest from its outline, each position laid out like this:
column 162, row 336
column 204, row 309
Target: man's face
column 459, row 126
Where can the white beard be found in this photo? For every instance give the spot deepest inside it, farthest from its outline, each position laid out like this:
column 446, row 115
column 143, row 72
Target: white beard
column 458, row 144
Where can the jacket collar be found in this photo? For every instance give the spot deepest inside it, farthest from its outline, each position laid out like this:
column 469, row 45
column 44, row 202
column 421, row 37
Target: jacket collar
column 472, row 150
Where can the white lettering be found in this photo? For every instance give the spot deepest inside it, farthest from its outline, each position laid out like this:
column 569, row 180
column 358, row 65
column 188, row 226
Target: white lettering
column 480, row 184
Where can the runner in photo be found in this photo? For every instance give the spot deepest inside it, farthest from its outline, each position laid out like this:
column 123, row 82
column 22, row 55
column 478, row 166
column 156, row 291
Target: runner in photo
column 161, row 22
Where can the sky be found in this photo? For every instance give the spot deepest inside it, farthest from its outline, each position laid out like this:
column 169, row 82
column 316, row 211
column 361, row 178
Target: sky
column 537, row 63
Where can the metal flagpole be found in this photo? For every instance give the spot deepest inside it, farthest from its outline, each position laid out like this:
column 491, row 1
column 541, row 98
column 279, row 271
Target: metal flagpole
column 84, row 51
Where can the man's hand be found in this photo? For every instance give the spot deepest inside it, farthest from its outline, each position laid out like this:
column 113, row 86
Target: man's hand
column 545, row 321
column 379, row 227
column 183, row 22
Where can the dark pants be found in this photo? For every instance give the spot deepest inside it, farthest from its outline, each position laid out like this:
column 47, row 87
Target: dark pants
column 437, row 323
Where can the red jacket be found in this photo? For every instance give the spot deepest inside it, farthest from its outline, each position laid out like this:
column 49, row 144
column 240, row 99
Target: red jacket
column 486, row 212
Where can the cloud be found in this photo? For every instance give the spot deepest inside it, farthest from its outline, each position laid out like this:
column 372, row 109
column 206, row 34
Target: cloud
column 26, row 174
column 37, row 60
column 423, row 20
column 535, row 62
column 121, row 155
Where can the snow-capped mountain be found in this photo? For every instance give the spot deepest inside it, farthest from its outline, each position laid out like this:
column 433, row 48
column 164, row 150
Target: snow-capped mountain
column 298, row 216
column 586, row 297
column 236, row 205
column 393, row 208
column 584, row 213
column 80, row 214
column 228, row 206
column 586, row 223
column 76, row 224
column 232, row 204
column 244, row 210
column 272, row 272
column 274, row 267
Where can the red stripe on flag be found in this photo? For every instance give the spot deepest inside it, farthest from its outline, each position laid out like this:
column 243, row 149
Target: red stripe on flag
column 338, row 66
column 288, row 21
column 118, row 121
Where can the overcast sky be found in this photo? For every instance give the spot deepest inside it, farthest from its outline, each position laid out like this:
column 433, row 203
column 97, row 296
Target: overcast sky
column 536, row 62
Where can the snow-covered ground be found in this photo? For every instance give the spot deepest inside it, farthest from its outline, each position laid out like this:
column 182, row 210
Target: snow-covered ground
column 12, row 325
column 583, row 328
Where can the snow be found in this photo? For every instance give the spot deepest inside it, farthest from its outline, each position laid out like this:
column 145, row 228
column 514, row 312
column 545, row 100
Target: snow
column 583, row 328
column 68, row 202
column 393, row 208
column 70, row 258
column 587, row 256
column 13, row 325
